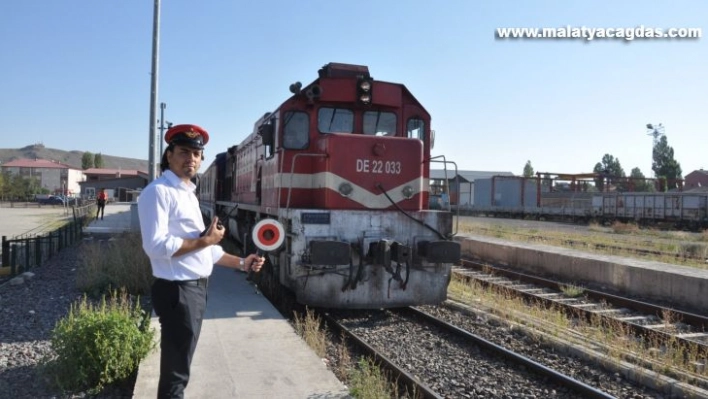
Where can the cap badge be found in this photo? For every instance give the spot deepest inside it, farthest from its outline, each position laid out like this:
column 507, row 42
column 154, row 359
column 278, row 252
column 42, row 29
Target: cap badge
column 191, row 134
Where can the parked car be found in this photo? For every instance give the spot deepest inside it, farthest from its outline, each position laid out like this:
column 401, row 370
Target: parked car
column 52, row 200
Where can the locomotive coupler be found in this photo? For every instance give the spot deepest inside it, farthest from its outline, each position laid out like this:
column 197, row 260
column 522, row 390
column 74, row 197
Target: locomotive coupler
column 386, row 252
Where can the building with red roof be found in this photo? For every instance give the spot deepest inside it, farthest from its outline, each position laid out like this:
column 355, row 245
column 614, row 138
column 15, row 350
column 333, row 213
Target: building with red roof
column 51, row 175
column 696, row 180
column 120, row 184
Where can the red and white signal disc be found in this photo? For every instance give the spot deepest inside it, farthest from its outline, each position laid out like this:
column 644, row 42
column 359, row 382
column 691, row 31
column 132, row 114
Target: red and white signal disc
column 268, row 234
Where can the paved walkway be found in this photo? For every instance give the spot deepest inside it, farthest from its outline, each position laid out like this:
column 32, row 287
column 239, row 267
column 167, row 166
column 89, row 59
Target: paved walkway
column 246, row 349
column 118, row 217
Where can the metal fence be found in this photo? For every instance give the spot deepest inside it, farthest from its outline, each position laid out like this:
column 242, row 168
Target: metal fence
column 24, row 252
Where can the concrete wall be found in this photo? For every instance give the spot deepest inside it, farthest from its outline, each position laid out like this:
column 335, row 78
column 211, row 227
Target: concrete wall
column 682, row 285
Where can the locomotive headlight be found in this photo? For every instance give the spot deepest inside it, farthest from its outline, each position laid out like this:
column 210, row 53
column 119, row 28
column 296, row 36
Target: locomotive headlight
column 345, row 189
column 407, row 192
column 363, row 90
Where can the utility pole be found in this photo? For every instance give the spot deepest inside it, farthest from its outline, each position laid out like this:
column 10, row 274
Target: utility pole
column 153, row 89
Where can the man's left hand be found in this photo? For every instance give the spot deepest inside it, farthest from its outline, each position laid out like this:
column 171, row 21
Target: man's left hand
column 254, row 262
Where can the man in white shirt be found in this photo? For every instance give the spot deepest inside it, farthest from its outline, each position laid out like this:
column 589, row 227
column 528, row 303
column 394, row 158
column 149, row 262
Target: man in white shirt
column 181, row 257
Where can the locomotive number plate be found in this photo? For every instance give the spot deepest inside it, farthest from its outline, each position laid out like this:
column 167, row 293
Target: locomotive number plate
column 378, row 166
column 314, row 218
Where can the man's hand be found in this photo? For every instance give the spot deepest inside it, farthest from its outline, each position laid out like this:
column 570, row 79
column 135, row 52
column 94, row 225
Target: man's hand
column 215, row 233
column 253, row 262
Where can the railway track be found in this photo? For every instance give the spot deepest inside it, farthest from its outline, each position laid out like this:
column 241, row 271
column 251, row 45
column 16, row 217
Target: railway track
column 438, row 359
column 658, row 328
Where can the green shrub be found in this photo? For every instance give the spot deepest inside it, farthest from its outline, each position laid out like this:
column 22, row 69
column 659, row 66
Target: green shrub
column 99, row 344
column 571, row 290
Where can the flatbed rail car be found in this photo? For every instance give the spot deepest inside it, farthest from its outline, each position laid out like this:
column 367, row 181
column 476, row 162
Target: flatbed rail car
column 343, row 165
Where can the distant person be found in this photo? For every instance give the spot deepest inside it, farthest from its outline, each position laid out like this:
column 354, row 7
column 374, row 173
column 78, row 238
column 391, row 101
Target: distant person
column 182, row 254
column 101, row 202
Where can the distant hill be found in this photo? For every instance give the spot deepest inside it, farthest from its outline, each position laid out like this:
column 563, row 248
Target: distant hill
column 71, row 158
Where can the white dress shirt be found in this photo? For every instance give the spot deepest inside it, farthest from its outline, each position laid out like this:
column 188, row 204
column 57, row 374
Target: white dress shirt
column 169, row 213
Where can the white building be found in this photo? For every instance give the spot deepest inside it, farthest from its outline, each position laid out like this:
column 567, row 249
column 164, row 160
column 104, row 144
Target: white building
column 54, row 176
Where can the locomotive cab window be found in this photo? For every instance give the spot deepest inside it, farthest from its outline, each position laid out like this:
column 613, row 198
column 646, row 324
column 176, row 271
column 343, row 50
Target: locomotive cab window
column 267, row 133
column 416, row 128
column 296, row 128
column 380, row 123
column 335, row 120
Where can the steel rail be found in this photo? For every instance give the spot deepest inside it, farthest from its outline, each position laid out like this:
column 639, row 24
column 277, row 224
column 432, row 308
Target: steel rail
column 413, row 384
column 555, row 376
column 700, row 323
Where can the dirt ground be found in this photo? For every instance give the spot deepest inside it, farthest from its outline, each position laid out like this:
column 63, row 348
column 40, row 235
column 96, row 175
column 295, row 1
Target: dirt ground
column 531, row 224
column 16, row 221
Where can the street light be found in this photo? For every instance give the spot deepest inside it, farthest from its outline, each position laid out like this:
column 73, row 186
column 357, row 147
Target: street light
column 655, row 131
column 162, row 136
column 163, row 106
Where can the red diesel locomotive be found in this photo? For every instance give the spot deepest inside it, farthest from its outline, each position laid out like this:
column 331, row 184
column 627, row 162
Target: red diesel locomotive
column 333, row 186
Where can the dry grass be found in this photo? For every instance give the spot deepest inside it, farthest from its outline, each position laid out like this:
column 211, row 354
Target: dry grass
column 703, row 237
column 611, row 337
column 625, row 228
column 627, row 240
column 572, row 291
column 364, row 377
column 119, row 263
column 367, row 381
column 309, row 328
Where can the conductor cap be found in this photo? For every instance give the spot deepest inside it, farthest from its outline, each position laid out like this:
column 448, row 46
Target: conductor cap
column 189, row 135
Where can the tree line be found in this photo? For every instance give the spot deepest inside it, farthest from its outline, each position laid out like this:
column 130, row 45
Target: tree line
column 89, row 160
column 666, row 168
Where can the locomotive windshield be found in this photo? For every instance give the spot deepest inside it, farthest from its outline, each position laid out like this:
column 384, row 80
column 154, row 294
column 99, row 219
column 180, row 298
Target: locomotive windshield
column 380, row 123
column 296, row 131
column 335, row 120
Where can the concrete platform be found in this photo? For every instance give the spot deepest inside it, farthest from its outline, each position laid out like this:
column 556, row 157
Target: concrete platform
column 682, row 285
column 246, row 349
column 118, row 217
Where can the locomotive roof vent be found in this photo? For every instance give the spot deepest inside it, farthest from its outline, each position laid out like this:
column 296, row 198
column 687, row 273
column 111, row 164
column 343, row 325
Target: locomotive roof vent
column 337, row 70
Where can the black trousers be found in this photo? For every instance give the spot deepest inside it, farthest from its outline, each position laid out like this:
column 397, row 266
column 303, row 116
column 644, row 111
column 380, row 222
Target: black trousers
column 180, row 307
column 101, row 207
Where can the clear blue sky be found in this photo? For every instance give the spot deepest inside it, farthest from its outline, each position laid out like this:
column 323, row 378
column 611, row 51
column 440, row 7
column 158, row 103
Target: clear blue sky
column 75, row 75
